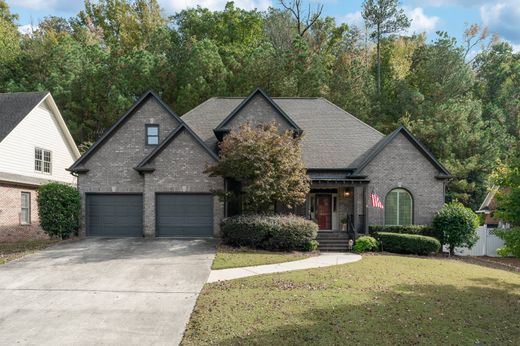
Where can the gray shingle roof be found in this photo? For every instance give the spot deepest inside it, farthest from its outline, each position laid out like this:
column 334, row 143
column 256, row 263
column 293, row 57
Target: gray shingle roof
column 14, row 107
column 333, row 138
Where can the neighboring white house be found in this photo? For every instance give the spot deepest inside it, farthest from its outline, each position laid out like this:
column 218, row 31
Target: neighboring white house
column 35, row 148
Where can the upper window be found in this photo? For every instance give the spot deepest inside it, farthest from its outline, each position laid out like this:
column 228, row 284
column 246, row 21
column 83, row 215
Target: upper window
column 25, row 214
column 152, row 134
column 42, row 160
column 398, row 208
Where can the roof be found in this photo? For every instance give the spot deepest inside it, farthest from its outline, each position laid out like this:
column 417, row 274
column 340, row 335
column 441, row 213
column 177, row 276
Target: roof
column 108, row 133
column 142, row 166
column 361, row 162
column 486, row 206
column 14, row 107
column 332, row 137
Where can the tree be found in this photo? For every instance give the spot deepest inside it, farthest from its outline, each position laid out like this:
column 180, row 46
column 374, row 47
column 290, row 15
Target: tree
column 458, row 225
column 304, row 19
column 267, row 164
column 9, row 36
column 383, row 17
column 507, row 177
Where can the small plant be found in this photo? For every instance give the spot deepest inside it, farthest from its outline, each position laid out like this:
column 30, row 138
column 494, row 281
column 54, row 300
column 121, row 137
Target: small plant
column 365, row 243
column 312, row 245
column 458, row 225
column 408, row 243
column 59, row 209
column 511, row 240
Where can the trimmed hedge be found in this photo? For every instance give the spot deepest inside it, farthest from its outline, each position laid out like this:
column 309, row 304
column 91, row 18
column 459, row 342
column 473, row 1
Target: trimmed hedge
column 270, row 232
column 426, row 230
column 365, row 243
column 408, row 243
column 59, row 209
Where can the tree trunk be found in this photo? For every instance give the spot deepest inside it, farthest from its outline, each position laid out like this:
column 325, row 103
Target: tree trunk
column 452, row 250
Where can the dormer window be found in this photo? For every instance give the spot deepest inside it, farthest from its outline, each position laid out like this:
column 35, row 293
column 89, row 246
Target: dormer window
column 42, row 160
column 152, row 134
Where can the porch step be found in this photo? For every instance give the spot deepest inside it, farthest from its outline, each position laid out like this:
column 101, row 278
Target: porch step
column 333, row 241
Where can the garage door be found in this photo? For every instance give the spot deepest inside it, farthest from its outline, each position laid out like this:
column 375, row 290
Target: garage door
column 184, row 215
column 114, row 215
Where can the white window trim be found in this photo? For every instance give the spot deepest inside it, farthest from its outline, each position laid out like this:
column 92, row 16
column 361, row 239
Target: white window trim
column 42, row 165
column 23, row 222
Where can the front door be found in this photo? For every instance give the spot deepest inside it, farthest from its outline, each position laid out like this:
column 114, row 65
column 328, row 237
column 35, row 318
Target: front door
column 324, row 211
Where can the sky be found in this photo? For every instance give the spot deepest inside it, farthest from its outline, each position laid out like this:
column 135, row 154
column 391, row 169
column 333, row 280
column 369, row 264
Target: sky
column 500, row 16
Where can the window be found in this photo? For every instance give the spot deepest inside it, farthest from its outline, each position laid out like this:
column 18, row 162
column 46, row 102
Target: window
column 25, row 215
column 398, row 208
column 152, row 134
column 42, row 160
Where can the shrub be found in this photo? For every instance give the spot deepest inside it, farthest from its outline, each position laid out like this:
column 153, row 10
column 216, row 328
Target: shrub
column 427, row 230
column 511, row 240
column 59, row 209
column 366, row 243
column 408, row 243
column 270, row 232
column 458, row 225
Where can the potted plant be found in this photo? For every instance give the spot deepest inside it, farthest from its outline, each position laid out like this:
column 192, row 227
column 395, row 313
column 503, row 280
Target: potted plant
column 344, row 224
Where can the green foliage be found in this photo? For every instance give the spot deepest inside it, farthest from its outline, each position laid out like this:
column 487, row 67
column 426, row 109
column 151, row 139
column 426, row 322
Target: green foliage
column 458, row 224
column 266, row 163
column 58, row 209
column 365, row 243
column 270, row 232
column 507, row 177
column 426, row 230
column 408, row 243
column 511, row 238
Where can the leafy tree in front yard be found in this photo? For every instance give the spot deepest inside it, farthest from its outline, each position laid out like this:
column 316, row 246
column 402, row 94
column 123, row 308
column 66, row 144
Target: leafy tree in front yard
column 268, row 165
column 458, row 225
column 507, row 176
column 59, row 209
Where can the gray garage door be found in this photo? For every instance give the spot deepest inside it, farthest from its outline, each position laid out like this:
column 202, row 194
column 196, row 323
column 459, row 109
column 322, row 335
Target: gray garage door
column 115, row 215
column 184, row 215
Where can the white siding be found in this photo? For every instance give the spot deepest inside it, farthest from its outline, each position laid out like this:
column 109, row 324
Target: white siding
column 38, row 129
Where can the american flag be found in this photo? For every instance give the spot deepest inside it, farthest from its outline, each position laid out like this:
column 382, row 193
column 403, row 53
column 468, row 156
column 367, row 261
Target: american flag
column 376, row 201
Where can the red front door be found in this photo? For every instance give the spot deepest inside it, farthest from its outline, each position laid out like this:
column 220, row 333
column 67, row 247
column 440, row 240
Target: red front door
column 324, row 211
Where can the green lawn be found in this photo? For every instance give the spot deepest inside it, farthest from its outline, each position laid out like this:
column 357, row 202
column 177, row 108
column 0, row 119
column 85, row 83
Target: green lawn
column 11, row 251
column 228, row 257
column 389, row 300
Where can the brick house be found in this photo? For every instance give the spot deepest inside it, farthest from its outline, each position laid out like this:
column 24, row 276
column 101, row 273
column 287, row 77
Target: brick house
column 144, row 176
column 35, row 148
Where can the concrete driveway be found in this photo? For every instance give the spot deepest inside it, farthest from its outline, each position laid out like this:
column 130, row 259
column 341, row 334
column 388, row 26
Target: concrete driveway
column 103, row 291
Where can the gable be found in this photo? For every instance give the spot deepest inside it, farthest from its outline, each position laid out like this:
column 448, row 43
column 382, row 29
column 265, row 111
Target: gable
column 257, row 108
column 400, row 154
column 127, row 135
column 359, row 165
column 40, row 128
column 14, row 107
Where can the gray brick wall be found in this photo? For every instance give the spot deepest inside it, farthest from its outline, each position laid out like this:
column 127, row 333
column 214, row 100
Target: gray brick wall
column 111, row 167
column 258, row 111
column 400, row 164
column 179, row 168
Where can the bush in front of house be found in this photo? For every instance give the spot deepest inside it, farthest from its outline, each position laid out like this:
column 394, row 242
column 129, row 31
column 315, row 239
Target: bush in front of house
column 427, row 230
column 408, row 243
column 458, row 225
column 270, row 232
column 365, row 243
column 511, row 238
column 59, row 207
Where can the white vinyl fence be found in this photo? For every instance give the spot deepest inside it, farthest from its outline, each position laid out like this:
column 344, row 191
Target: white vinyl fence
column 487, row 244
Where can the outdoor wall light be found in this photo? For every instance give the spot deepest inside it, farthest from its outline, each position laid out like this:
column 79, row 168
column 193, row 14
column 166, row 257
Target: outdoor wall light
column 346, row 194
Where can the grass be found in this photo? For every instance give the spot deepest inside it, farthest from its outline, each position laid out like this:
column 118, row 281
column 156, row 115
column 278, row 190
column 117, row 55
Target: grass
column 12, row 251
column 383, row 300
column 228, row 257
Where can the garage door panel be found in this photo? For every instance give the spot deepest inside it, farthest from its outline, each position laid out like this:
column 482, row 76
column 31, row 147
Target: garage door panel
column 115, row 215
column 184, row 215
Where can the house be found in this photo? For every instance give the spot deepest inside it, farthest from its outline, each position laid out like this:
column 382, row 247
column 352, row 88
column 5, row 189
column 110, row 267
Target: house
column 488, row 208
column 35, row 148
column 144, row 176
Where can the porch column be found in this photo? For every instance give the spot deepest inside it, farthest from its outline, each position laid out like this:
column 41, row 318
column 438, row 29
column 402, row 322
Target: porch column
column 365, row 210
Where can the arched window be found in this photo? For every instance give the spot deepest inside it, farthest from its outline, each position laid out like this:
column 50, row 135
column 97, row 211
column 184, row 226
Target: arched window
column 398, row 207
